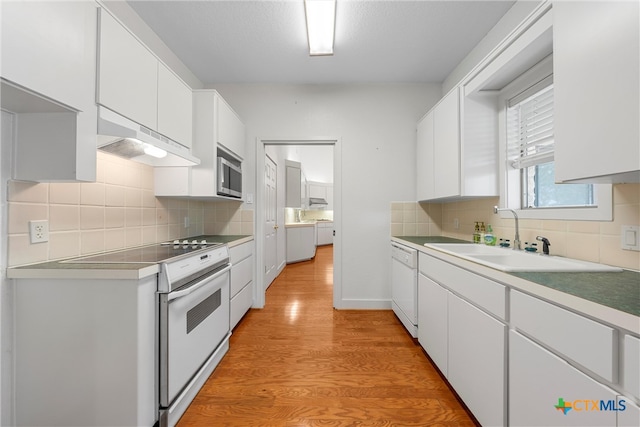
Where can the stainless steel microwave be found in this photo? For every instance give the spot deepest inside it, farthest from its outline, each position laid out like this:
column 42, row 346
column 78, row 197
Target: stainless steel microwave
column 229, row 178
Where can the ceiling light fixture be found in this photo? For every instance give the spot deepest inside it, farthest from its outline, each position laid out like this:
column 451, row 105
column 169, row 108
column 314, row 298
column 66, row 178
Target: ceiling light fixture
column 321, row 22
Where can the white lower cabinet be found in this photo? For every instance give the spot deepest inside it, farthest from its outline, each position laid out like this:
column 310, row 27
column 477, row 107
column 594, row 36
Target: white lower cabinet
column 540, row 383
column 466, row 342
column 476, row 363
column 301, row 242
column 241, row 289
column 517, row 360
column 592, row 348
column 325, row 233
column 432, row 320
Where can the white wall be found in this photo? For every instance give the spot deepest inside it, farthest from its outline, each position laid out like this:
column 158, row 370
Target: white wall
column 317, row 161
column 514, row 16
column 377, row 125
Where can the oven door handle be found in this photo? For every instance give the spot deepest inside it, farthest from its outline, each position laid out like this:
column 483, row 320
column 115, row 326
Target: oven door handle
column 192, row 288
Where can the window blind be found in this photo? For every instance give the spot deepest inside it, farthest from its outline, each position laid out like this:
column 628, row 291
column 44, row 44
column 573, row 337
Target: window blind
column 530, row 126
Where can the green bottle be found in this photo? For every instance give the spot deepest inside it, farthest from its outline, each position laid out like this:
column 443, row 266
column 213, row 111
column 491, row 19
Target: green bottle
column 489, row 238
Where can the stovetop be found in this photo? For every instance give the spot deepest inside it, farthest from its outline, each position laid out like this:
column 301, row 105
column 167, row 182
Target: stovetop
column 148, row 254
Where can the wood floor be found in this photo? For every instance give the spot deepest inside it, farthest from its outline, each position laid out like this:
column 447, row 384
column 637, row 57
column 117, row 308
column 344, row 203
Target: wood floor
column 299, row 362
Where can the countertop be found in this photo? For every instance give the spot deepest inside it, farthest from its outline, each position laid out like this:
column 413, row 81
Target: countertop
column 300, row 224
column 62, row 270
column 619, row 291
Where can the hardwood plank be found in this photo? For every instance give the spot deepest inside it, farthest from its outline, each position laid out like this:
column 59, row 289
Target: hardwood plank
column 299, row 362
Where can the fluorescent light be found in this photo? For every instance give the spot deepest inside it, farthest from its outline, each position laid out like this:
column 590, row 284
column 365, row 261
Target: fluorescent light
column 154, row 151
column 321, row 22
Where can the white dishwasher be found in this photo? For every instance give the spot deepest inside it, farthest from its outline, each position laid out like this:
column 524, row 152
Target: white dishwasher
column 404, row 286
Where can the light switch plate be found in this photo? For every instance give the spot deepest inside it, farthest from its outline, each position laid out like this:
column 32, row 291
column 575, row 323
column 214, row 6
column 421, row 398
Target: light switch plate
column 630, row 237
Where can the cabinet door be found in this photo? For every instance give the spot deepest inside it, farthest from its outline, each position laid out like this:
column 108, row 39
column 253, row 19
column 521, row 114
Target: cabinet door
column 293, row 199
column 128, row 74
column 596, row 62
column 50, row 48
column 432, row 321
column 539, row 382
column 446, row 153
column 301, row 243
column 476, row 364
column 230, row 128
column 317, row 190
column 175, row 107
column 425, row 187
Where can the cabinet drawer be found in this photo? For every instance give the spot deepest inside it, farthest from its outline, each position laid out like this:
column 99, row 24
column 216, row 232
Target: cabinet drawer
column 241, row 274
column 240, row 252
column 479, row 290
column 589, row 343
column 240, row 304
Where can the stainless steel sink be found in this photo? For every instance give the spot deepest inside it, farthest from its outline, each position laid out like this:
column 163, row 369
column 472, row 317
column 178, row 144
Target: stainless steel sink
column 512, row 260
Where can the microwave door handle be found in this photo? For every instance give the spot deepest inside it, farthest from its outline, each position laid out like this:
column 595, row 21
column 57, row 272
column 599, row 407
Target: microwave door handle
column 221, row 173
column 184, row 292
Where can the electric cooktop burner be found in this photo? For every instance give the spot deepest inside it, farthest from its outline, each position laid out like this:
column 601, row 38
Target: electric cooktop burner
column 147, row 254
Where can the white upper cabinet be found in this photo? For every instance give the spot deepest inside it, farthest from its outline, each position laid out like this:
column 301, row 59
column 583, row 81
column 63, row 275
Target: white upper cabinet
column 230, row 131
column 201, row 180
column 175, row 107
column 446, row 146
column 457, row 149
column 134, row 83
column 320, row 190
column 293, row 187
column 50, row 48
column 128, row 74
column 48, row 67
column 596, row 49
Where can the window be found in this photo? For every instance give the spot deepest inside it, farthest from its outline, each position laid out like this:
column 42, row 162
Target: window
column 528, row 147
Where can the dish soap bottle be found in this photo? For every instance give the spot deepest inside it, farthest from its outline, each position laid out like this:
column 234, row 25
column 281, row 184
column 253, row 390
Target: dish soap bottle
column 476, row 233
column 489, row 238
column 482, row 232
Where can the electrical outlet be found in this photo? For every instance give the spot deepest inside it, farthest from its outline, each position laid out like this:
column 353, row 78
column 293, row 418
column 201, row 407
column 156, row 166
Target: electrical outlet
column 630, row 237
column 39, row 231
column 186, row 222
column 456, row 223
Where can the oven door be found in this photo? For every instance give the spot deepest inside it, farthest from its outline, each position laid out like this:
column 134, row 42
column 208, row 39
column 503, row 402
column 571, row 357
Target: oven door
column 194, row 320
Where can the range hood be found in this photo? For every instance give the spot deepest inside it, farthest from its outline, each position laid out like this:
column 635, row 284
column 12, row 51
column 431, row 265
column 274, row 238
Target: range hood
column 317, row 202
column 125, row 138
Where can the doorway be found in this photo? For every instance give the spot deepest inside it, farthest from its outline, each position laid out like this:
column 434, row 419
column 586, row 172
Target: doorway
column 262, row 203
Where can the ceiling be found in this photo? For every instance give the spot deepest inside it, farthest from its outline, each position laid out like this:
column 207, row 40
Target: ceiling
column 376, row 41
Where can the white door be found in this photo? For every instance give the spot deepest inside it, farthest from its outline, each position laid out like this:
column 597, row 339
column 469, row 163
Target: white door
column 270, row 220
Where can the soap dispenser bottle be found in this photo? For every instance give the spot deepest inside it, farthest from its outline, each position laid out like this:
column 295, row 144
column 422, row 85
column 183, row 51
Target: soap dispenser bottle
column 489, row 238
column 476, row 233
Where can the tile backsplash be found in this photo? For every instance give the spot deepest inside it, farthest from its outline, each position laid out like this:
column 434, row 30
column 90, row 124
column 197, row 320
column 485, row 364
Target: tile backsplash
column 596, row 241
column 117, row 211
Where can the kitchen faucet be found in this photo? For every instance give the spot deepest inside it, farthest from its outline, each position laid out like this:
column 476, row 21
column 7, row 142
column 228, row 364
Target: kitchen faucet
column 516, row 240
